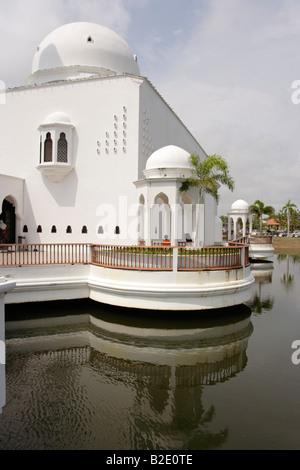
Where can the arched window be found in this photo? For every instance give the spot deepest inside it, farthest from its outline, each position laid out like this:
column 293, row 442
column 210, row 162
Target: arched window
column 39, row 229
column 69, row 229
column 100, row 229
column 48, row 148
column 62, row 148
column 25, row 229
column 84, row 229
column 141, row 217
column 117, row 230
column 53, row 229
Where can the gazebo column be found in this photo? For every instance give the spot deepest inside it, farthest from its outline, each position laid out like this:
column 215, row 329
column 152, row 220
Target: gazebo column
column 229, row 227
column 234, row 218
column 250, row 223
column 244, row 224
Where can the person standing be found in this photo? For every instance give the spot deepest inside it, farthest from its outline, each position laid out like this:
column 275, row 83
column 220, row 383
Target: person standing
column 3, row 232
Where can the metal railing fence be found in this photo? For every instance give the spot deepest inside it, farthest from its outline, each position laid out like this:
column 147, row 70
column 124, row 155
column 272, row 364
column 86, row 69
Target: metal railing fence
column 156, row 258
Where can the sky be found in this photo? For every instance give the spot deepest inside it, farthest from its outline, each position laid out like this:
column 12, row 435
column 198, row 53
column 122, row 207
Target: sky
column 230, row 70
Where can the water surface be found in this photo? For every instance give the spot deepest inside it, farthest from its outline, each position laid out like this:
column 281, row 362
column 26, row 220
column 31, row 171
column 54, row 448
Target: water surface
column 80, row 375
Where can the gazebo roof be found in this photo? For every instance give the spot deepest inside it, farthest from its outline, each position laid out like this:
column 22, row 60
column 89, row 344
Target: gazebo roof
column 272, row 222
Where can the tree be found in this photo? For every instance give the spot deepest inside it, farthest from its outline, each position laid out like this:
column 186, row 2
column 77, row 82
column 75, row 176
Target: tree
column 209, row 174
column 289, row 210
column 259, row 209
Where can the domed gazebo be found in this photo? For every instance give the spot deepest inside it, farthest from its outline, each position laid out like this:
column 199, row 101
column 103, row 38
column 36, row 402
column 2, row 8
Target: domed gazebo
column 164, row 212
column 239, row 211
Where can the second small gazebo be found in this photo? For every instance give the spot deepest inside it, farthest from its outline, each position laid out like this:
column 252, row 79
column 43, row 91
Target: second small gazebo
column 239, row 212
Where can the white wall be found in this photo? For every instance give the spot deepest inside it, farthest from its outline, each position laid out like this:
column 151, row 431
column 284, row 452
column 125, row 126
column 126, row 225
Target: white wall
column 97, row 178
column 160, row 126
column 100, row 190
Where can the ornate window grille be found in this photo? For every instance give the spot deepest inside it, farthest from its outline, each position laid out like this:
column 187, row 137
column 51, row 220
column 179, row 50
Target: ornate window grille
column 62, row 148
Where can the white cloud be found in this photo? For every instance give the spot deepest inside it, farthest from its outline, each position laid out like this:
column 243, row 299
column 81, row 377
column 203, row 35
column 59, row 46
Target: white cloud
column 178, row 32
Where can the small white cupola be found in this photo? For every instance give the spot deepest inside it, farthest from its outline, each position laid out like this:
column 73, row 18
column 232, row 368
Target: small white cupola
column 239, row 213
column 56, row 160
column 168, row 162
column 163, row 211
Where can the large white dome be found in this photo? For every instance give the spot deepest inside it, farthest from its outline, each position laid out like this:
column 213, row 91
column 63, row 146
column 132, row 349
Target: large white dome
column 81, row 48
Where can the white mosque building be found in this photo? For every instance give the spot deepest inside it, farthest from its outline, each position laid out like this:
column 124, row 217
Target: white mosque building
column 77, row 140
column 92, row 154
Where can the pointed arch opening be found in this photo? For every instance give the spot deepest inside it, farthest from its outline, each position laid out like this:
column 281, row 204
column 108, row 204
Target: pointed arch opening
column 141, row 218
column 188, row 219
column 8, row 216
column 62, row 148
column 161, row 218
column 48, row 148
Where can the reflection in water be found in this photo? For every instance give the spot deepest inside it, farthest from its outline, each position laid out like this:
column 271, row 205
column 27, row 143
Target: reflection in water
column 287, row 279
column 103, row 380
column 262, row 272
column 2, row 386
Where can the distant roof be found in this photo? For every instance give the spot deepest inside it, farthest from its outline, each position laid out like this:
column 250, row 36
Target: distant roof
column 272, row 222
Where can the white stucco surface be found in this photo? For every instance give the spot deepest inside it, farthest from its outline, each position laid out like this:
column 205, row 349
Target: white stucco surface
column 160, row 290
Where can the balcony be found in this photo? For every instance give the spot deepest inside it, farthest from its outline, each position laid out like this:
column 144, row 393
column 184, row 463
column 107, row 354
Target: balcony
column 140, row 277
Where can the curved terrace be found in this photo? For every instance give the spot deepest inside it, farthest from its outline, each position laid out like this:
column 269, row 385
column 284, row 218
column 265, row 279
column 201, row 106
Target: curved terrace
column 163, row 278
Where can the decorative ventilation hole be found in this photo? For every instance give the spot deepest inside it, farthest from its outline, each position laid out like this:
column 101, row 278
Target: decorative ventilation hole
column 90, row 39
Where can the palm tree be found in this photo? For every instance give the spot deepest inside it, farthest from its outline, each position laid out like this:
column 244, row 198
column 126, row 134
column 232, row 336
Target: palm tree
column 288, row 210
column 209, row 174
column 259, row 209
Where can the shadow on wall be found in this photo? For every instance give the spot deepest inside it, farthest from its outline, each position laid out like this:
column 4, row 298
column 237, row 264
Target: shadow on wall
column 49, row 58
